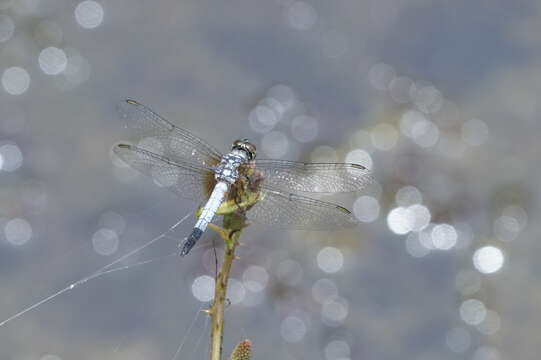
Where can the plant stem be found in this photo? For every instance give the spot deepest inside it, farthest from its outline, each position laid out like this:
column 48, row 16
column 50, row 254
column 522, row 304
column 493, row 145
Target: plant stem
column 234, row 223
column 217, row 309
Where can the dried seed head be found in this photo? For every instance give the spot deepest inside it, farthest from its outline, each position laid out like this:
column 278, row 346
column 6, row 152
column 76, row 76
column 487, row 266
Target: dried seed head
column 242, row 351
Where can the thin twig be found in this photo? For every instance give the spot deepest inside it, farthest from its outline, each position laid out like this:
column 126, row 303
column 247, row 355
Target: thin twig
column 217, row 309
column 233, row 223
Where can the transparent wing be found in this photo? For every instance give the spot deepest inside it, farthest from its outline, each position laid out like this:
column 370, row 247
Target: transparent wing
column 186, row 179
column 313, row 177
column 158, row 135
column 286, row 210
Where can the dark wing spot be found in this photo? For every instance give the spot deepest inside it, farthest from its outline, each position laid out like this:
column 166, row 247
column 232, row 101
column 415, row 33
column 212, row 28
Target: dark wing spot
column 208, row 183
column 343, row 209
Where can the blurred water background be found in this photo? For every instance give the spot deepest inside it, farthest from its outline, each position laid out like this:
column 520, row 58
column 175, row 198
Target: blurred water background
column 439, row 99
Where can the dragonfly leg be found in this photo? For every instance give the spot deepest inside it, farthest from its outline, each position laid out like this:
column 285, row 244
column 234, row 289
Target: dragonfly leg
column 219, row 230
column 233, row 224
column 228, row 235
column 231, row 206
column 234, row 219
column 227, row 207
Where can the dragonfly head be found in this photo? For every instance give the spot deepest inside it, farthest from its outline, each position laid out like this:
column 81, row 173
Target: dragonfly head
column 245, row 146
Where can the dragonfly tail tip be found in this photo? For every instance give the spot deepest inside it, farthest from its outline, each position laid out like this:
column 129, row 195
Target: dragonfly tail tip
column 190, row 241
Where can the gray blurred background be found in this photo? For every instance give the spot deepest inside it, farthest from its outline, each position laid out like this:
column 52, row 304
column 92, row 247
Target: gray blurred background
column 439, row 99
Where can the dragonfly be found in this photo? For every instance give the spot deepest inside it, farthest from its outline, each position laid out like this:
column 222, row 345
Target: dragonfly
column 268, row 191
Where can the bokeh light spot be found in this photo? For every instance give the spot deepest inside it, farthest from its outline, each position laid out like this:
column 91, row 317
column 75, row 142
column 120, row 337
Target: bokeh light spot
column 255, row 278
column 292, row 329
column 105, row 242
column 12, row 158
column 400, row 220
column 444, row 236
column 511, row 222
column 18, row 231
column 488, row 259
column 330, row 259
column 89, row 14
column 335, row 312
column 472, row 311
column 366, row 208
column 203, row 288
column 15, row 80
column 52, row 60
column 262, row 119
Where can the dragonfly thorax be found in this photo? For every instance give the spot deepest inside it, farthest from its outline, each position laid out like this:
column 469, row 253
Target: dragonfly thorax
column 241, row 152
column 227, row 169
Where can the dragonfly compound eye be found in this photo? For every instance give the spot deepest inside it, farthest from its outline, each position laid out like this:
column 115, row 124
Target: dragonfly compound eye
column 246, row 146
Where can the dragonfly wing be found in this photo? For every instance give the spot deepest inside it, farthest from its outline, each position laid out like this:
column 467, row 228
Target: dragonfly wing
column 313, row 177
column 287, row 210
column 188, row 180
column 158, row 135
